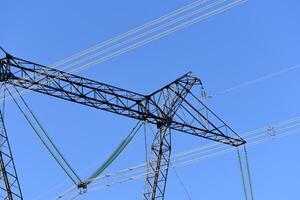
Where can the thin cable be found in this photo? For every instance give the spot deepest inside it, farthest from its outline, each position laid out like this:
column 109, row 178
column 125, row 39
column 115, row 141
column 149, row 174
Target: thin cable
column 47, row 136
column 231, row 149
column 158, row 36
column 50, row 191
column 181, row 183
column 248, row 172
column 115, row 154
column 36, row 132
column 75, row 197
column 242, row 173
column 207, row 148
column 200, row 158
column 66, row 193
column 148, row 32
column 284, row 125
column 131, row 32
column 252, row 82
column 220, row 152
column 181, row 165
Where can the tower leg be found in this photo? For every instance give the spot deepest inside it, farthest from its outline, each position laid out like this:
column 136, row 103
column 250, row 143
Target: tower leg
column 9, row 183
column 158, row 165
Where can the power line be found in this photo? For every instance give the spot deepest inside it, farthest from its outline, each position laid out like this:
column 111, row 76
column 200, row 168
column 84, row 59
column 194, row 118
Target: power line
column 287, row 127
column 144, row 32
column 181, row 183
column 160, row 35
column 150, row 31
column 242, row 174
column 130, row 32
column 254, row 137
column 51, row 147
column 255, row 81
column 154, row 37
column 220, row 151
column 136, row 177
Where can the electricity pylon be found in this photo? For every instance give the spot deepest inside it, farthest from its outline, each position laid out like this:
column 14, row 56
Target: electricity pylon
column 171, row 108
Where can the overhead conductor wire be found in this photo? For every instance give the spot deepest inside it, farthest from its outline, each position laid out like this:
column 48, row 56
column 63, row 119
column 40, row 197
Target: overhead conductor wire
column 44, row 143
column 285, row 131
column 160, row 34
column 285, row 127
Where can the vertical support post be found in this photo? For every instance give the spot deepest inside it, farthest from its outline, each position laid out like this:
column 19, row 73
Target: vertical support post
column 6, row 187
column 9, row 183
column 158, row 165
column 168, row 100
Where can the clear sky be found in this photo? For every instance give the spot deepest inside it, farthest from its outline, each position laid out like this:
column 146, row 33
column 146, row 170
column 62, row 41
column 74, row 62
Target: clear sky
column 254, row 39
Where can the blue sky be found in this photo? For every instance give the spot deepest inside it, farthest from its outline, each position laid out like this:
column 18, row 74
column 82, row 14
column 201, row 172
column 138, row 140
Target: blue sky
column 254, row 39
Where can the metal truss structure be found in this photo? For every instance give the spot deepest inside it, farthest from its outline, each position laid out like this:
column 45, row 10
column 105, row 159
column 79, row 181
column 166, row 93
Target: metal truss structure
column 9, row 185
column 171, row 108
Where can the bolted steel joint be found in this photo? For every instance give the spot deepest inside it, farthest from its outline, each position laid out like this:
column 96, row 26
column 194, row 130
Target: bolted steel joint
column 5, row 73
column 82, row 186
column 165, row 122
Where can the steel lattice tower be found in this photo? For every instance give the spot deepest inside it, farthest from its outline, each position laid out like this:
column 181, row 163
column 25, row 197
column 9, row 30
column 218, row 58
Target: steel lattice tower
column 159, row 108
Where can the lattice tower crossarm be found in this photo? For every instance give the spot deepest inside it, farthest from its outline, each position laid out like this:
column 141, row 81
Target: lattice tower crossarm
column 171, row 108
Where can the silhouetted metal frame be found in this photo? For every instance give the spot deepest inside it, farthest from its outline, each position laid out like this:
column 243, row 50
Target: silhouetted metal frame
column 8, row 174
column 170, row 98
column 53, row 82
column 151, row 108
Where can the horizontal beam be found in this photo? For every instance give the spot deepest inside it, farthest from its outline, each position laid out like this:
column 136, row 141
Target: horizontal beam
column 67, row 86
